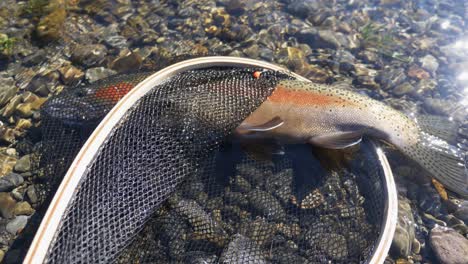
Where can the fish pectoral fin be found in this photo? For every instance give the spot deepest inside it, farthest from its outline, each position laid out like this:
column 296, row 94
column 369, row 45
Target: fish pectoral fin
column 270, row 125
column 338, row 140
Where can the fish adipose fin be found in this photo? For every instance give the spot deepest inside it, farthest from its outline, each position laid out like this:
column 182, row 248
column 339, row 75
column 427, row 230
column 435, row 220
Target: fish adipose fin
column 339, row 140
column 439, row 126
column 446, row 163
column 270, row 125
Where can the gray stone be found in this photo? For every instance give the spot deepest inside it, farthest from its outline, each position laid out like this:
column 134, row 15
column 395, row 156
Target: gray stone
column 303, row 8
column 17, row 224
column 32, row 194
column 98, row 73
column 429, row 63
column 10, row 181
column 449, row 246
column 240, row 249
column 7, row 90
column 462, row 211
column 127, row 61
column 23, row 164
column 266, row 205
column 403, row 89
column 35, row 58
column 404, row 232
column 89, row 54
column 319, row 38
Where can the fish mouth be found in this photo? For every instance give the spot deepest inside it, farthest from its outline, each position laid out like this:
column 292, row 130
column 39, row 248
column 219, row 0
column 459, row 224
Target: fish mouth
column 72, row 111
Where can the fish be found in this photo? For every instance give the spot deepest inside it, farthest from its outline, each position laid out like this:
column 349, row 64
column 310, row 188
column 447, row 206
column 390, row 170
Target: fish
column 337, row 117
column 88, row 104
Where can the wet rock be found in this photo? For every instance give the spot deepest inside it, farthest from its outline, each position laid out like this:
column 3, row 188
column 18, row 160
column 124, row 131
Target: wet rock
column 303, row 8
column 462, row 211
column 417, row 72
column 236, row 198
column 266, row 205
column 23, row 164
column 7, row 90
column 389, row 78
column 240, row 184
column 35, row 58
column 405, row 231
column 30, row 102
column 319, row 38
column 16, row 225
column 235, row 6
column 402, row 89
column 50, row 26
column 32, row 194
column 204, row 226
column 438, row 106
column 41, row 85
column 6, row 164
column 10, row 181
column 312, row 200
column 127, row 61
column 70, row 74
column 7, row 135
column 242, row 250
column 280, row 184
column 449, row 246
column 23, row 124
column 23, row 208
column 259, row 231
column 7, row 205
column 429, row 63
column 89, row 55
column 94, row 74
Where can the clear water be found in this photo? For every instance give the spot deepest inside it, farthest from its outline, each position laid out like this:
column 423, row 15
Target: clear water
column 411, row 54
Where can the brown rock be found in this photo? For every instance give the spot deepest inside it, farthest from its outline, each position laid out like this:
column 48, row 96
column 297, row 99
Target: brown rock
column 449, row 246
column 7, row 205
column 70, row 74
column 127, row 61
column 6, row 164
column 23, row 208
column 10, row 108
column 417, row 72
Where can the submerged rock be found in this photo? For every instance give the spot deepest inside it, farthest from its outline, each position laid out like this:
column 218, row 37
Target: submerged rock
column 266, row 205
column 7, row 90
column 7, row 205
column 10, row 181
column 95, row 74
column 449, row 246
column 405, row 231
column 17, row 224
column 242, row 250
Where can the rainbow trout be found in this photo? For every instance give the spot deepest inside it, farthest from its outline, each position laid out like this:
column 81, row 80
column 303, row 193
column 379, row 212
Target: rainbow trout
column 335, row 117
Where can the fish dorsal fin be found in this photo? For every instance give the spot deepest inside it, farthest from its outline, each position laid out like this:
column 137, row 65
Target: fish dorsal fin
column 270, row 125
column 337, row 140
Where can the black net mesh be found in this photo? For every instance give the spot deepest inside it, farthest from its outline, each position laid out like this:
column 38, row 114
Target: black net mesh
column 168, row 186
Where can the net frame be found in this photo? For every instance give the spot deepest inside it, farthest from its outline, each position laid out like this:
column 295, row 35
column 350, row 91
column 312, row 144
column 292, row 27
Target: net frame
column 64, row 194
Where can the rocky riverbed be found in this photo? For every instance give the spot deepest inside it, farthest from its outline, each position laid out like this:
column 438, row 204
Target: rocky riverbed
column 411, row 54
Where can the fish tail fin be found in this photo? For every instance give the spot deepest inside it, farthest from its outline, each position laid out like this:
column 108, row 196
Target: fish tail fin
column 439, row 126
column 445, row 162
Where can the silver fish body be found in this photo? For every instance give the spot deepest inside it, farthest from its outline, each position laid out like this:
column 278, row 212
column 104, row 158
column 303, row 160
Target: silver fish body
column 337, row 117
